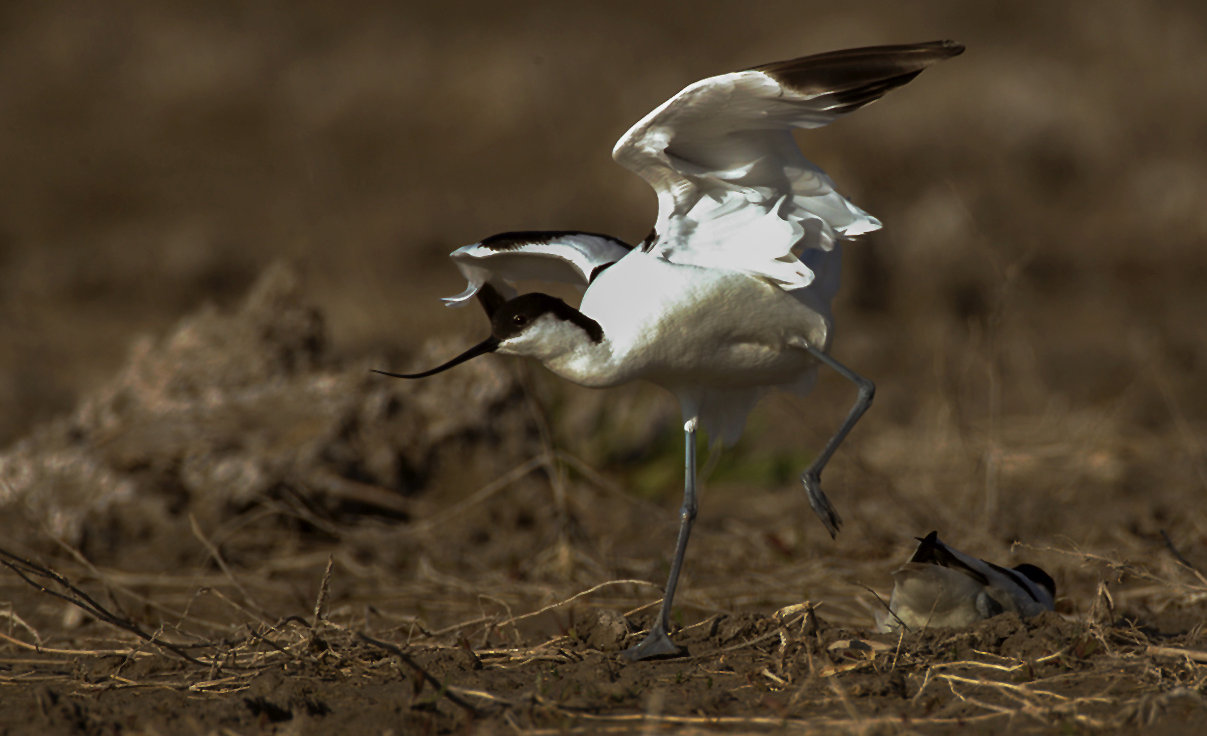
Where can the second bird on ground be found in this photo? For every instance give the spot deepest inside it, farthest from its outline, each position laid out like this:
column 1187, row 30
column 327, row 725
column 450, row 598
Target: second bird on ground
column 942, row 587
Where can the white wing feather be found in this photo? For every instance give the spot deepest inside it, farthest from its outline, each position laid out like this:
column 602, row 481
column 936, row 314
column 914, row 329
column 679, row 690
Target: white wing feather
column 562, row 257
column 734, row 190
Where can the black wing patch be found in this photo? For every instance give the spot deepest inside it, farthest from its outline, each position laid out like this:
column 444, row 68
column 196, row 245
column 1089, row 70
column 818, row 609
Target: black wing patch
column 490, row 299
column 520, row 238
column 931, row 552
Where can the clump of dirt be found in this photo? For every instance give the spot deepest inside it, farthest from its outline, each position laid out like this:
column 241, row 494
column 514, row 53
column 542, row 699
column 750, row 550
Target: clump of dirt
column 231, row 410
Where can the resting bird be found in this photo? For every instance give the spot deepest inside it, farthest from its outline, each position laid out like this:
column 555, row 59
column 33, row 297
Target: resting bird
column 942, row 587
column 730, row 295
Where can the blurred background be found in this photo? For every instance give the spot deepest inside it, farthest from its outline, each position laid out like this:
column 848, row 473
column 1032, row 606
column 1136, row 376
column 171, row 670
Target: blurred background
column 1032, row 312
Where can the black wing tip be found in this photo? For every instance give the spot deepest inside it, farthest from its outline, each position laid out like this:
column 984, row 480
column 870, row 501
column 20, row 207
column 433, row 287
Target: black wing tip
column 514, row 239
column 953, row 48
column 855, row 77
column 933, row 552
column 924, row 54
column 944, row 49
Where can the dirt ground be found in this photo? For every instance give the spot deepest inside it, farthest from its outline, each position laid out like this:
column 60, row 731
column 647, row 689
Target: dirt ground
column 214, row 519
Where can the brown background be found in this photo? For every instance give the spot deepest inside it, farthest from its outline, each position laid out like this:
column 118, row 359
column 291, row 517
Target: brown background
column 1032, row 312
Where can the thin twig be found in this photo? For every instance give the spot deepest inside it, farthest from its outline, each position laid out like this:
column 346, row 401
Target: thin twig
column 25, row 568
column 441, row 688
column 882, row 602
column 75, row 652
column 1191, row 654
column 217, row 555
column 571, row 599
column 1182, row 560
column 324, row 588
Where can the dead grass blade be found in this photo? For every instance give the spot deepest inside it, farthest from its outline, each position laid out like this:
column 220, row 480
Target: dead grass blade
column 27, row 570
column 216, row 554
column 321, row 600
column 1191, row 654
column 442, row 690
column 74, row 652
column 1180, row 559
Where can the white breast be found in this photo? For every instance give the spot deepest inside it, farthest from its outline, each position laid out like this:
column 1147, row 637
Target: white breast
column 678, row 324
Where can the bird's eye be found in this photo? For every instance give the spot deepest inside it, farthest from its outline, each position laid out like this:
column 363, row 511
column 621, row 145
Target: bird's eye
column 519, row 320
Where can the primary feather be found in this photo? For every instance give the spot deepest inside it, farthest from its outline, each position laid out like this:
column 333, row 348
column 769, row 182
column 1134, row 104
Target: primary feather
column 734, row 190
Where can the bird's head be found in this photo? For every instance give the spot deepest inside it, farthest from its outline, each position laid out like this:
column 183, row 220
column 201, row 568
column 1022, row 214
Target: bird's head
column 535, row 325
column 1038, row 576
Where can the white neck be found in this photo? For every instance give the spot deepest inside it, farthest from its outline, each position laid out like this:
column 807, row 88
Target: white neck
column 567, row 350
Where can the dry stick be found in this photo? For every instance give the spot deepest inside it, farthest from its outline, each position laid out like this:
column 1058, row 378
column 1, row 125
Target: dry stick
column 764, row 721
column 232, row 603
column 880, row 600
column 1191, row 654
column 482, row 694
column 1005, row 686
column 82, row 600
column 1182, row 560
column 13, row 618
column 442, row 690
column 571, row 599
column 324, row 587
column 556, row 604
column 897, row 651
column 107, row 578
column 217, row 555
column 260, row 637
column 1116, row 565
column 1028, row 706
column 734, row 647
column 77, row 652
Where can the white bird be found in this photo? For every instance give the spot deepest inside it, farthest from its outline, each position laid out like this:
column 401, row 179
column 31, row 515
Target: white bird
column 730, row 295
column 943, row 587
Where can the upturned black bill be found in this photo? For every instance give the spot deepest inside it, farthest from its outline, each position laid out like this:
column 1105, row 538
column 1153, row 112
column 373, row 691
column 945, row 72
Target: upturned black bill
column 489, row 345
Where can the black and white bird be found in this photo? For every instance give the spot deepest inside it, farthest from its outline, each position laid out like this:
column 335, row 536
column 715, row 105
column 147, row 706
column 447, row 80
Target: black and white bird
column 942, row 587
column 730, row 294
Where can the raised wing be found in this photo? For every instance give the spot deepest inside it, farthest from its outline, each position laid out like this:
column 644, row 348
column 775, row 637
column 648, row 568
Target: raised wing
column 560, row 256
column 734, row 190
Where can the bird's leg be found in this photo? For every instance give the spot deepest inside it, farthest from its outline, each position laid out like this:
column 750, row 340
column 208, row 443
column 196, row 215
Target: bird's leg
column 811, row 478
column 658, row 642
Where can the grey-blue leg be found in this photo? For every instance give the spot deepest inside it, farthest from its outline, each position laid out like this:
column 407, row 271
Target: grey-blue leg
column 811, row 478
column 658, row 642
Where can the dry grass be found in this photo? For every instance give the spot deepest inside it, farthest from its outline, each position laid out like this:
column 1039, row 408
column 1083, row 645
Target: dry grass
column 483, row 655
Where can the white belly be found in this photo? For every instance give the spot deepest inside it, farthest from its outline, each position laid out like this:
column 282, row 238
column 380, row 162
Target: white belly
column 684, row 325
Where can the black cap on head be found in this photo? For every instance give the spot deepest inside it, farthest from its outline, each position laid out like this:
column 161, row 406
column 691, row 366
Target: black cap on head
column 513, row 317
